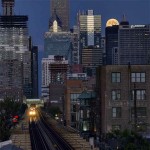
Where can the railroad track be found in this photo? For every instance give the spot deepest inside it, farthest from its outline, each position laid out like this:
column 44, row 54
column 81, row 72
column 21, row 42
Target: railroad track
column 43, row 137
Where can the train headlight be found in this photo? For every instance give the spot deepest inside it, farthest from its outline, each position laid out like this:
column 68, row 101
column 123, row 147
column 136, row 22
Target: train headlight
column 33, row 113
column 30, row 113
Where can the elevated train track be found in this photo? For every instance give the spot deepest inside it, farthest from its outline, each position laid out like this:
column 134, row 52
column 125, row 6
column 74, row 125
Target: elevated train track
column 44, row 137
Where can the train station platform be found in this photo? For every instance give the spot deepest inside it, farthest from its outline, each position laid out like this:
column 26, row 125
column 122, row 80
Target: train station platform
column 20, row 135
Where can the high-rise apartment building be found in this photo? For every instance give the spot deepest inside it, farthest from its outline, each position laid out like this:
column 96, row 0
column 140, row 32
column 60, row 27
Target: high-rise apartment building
column 61, row 8
column 134, row 44
column 14, row 42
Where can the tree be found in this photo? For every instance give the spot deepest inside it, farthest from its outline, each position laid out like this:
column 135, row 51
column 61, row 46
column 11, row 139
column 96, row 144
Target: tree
column 8, row 108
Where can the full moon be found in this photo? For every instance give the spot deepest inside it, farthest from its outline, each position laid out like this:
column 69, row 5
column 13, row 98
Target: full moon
column 112, row 22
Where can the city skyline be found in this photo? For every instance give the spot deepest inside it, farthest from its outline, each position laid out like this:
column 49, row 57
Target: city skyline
column 39, row 15
column 38, row 12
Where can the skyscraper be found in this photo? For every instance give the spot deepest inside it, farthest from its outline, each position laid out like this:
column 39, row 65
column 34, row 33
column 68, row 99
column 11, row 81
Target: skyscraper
column 14, row 43
column 89, row 40
column 134, row 44
column 89, row 30
column 8, row 7
column 111, row 34
column 61, row 7
column 56, row 41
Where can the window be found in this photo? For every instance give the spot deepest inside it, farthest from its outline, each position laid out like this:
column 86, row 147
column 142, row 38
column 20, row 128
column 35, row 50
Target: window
column 141, row 112
column 140, row 94
column 138, row 77
column 116, row 112
column 115, row 77
column 115, row 94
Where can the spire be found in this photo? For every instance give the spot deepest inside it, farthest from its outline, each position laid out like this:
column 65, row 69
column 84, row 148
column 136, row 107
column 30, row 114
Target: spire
column 55, row 20
column 124, row 17
column 124, row 21
column 8, row 7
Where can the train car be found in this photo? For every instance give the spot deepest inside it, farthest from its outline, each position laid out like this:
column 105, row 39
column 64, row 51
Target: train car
column 32, row 110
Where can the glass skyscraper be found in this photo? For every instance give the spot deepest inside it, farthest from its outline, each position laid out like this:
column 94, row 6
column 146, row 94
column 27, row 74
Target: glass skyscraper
column 90, row 29
column 58, row 43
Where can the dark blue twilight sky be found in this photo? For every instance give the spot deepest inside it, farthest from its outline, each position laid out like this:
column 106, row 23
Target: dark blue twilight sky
column 136, row 11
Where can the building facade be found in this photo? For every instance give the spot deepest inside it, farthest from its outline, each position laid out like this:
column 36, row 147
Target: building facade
column 74, row 87
column 89, row 26
column 14, row 42
column 52, row 73
column 34, row 71
column 91, row 58
column 90, row 29
column 134, row 44
column 123, row 97
column 58, row 43
column 111, row 34
column 75, row 45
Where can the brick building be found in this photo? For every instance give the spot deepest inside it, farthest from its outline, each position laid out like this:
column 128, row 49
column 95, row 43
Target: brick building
column 123, row 97
column 73, row 90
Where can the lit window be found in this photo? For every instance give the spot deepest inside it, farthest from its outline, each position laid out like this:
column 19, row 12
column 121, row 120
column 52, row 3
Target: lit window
column 116, row 95
column 115, row 76
column 138, row 77
column 140, row 94
column 116, row 112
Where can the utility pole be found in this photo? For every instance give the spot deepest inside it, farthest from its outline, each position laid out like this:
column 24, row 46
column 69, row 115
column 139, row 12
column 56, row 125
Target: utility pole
column 135, row 109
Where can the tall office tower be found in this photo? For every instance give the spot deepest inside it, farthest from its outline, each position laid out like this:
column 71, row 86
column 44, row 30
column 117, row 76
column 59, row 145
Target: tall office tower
column 57, row 42
column 8, row 7
column 34, row 71
column 91, row 58
column 53, row 72
column 111, row 35
column 14, row 43
column 134, row 44
column 75, row 45
column 61, row 8
column 89, row 30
